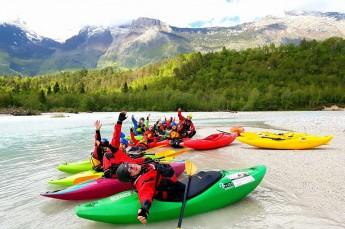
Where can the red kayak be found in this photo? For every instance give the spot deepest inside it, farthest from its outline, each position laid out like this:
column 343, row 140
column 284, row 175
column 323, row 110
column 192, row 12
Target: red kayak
column 211, row 142
column 99, row 188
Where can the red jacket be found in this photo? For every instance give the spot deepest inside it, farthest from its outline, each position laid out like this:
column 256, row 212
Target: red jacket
column 118, row 156
column 147, row 144
column 148, row 182
column 187, row 125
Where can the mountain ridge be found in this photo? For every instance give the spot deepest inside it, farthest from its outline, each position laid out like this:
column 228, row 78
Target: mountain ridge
column 147, row 40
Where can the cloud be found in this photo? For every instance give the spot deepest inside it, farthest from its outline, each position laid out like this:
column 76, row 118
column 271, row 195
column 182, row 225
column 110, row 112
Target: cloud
column 60, row 19
column 216, row 22
column 232, row 1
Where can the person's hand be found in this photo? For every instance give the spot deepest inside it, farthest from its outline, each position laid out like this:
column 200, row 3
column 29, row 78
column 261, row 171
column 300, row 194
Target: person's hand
column 122, row 116
column 98, row 124
column 179, row 109
column 142, row 215
column 148, row 116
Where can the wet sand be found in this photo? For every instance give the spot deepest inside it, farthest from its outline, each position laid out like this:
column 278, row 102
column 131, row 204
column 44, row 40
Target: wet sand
column 303, row 187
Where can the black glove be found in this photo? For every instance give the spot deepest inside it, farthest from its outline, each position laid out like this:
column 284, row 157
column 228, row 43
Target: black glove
column 145, row 209
column 122, row 116
column 98, row 168
column 107, row 173
column 144, row 213
column 108, row 155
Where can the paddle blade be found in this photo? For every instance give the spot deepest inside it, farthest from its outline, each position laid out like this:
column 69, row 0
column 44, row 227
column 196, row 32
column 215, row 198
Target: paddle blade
column 85, row 178
column 170, row 153
column 153, row 148
column 190, row 168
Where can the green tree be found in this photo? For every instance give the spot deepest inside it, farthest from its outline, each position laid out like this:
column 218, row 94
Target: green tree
column 56, row 88
column 125, row 88
column 42, row 97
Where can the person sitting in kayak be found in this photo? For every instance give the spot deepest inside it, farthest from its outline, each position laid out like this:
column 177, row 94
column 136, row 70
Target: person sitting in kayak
column 151, row 180
column 139, row 127
column 150, row 134
column 175, row 137
column 116, row 153
column 160, row 130
column 141, row 145
column 186, row 127
column 100, row 148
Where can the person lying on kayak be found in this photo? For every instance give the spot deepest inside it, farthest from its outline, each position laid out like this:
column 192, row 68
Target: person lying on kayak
column 139, row 127
column 100, row 148
column 116, row 152
column 186, row 127
column 151, row 180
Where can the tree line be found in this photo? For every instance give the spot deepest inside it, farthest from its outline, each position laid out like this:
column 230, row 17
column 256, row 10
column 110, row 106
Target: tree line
column 307, row 76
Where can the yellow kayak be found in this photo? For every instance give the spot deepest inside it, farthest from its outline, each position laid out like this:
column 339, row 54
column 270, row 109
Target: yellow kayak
column 289, row 140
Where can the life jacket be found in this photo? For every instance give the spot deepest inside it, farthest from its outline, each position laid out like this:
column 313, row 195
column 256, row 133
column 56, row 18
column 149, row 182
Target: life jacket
column 141, row 128
column 154, row 181
column 174, row 134
column 149, row 135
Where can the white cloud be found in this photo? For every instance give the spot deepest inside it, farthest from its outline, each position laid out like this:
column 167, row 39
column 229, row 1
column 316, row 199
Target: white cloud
column 61, row 19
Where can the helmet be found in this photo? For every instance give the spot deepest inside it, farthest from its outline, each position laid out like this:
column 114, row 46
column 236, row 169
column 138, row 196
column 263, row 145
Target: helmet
column 123, row 173
column 124, row 141
column 104, row 142
column 190, row 116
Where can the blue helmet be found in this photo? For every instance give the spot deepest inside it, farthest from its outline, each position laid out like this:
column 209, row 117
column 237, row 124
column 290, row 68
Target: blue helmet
column 104, row 142
column 124, row 141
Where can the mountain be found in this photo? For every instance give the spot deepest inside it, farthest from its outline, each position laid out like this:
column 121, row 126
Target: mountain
column 80, row 51
column 22, row 51
column 148, row 40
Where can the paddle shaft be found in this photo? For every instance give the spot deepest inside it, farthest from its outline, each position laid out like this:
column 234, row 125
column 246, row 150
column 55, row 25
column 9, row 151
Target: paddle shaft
column 223, row 132
column 184, row 202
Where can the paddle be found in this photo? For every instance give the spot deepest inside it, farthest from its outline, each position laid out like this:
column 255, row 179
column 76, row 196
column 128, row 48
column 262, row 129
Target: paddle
column 223, row 131
column 156, row 147
column 170, row 153
column 166, row 155
column 190, row 169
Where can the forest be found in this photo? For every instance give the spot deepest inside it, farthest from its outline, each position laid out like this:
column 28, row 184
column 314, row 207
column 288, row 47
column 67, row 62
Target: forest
column 307, row 76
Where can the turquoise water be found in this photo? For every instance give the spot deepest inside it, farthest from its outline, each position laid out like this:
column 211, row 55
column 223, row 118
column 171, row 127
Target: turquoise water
column 32, row 146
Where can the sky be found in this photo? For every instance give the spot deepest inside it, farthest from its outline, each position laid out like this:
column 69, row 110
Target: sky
column 61, row 19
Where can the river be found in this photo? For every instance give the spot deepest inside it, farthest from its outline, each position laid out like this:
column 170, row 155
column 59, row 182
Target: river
column 302, row 189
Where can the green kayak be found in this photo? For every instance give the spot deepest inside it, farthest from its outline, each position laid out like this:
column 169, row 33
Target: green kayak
column 208, row 191
column 138, row 137
column 75, row 167
column 77, row 178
